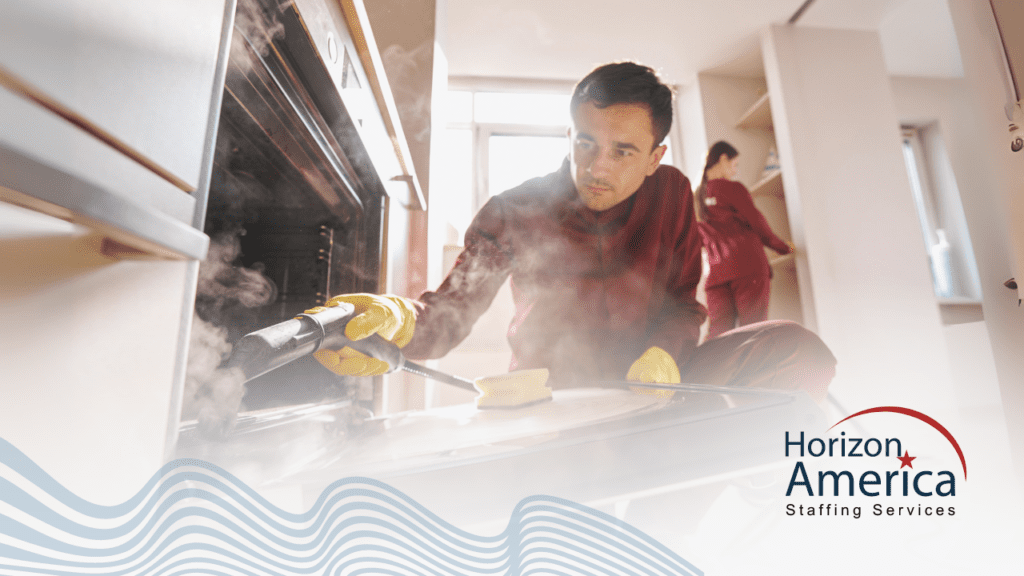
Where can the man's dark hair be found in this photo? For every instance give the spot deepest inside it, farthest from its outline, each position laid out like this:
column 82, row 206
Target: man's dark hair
column 627, row 83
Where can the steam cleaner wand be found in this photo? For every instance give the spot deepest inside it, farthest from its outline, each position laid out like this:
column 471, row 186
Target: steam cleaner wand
column 264, row 350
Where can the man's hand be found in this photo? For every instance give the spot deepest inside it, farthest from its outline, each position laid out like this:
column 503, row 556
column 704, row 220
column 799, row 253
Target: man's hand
column 654, row 366
column 391, row 317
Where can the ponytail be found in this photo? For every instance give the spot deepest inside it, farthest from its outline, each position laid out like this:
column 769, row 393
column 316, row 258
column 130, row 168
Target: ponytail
column 700, row 196
column 701, row 193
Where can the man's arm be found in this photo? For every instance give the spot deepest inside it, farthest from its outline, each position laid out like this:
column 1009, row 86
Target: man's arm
column 678, row 329
column 446, row 316
column 433, row 325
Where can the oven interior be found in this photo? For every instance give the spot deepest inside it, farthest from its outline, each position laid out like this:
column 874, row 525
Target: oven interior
column 295, row 210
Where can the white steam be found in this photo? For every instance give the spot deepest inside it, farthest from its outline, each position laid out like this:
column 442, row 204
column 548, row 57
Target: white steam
column 221, row 281
column 259, row 27
column 213, row 395
column 409, row 71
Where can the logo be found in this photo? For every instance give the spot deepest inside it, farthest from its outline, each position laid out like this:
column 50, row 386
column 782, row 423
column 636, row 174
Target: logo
column 845, row 469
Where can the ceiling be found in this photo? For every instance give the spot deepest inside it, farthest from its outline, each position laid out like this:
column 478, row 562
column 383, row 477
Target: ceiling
column 563, row 40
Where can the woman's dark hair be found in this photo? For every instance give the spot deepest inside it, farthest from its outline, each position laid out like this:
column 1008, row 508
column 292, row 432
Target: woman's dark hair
column 714, row 155
column 627, row 83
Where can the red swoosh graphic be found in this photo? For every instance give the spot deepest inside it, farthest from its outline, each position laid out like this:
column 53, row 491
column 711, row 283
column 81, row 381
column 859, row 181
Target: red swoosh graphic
column 923, row 418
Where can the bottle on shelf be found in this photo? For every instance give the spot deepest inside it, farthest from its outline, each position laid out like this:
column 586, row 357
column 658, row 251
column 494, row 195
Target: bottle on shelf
column 771, row 163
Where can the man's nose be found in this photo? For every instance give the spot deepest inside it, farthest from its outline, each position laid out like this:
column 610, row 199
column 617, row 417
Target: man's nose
column 601, row 164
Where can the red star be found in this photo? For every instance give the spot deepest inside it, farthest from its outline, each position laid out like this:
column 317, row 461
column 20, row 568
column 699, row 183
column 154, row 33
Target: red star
column 906, row 459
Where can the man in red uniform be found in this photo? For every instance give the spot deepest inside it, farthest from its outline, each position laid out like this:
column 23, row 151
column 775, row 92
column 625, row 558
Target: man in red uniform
column 604, row 256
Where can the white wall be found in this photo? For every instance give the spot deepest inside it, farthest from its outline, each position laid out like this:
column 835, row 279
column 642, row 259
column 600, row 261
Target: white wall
column 941, row 103
column 991, row 181
column 855, row 224
column 690, row 115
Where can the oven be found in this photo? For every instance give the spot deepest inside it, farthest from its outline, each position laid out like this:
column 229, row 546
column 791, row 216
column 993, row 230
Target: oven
column 303, row 169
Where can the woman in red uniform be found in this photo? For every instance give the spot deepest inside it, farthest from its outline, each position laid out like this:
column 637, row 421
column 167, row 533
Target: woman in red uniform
column 733, row 231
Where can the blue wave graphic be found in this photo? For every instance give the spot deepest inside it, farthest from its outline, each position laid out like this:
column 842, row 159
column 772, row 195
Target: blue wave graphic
column 194, row 518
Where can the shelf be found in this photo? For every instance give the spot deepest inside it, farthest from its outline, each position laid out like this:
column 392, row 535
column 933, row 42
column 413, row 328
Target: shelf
column 758, row 116
column 779, row 261
column 770, row 185
column 958, row 301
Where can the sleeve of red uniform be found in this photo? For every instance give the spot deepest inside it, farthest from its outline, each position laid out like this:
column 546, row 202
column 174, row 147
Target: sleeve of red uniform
column 446, row 316
column 678, row 330
column 739, row 197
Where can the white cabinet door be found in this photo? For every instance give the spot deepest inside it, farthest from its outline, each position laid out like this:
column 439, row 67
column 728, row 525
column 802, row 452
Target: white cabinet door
column 105, row 108
column 140, row 69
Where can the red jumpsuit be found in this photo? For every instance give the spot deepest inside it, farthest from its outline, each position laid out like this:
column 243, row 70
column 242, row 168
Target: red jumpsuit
column 739, row 281
column 594, row 290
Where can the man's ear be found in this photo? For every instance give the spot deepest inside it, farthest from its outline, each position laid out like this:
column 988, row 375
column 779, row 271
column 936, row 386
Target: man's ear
column 655, row 159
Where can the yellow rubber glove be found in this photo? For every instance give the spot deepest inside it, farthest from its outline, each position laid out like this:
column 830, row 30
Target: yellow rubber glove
column 654, row 366
column 392, row 317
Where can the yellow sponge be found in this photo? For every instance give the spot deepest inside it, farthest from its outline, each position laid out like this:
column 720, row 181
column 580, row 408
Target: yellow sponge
column 513, row 390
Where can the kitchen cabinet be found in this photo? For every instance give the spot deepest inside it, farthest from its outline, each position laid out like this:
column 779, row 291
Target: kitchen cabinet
column 105, row 107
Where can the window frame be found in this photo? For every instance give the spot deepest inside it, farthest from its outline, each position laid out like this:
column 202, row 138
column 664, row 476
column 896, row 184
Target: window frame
column 924, row 195
column 936, row 212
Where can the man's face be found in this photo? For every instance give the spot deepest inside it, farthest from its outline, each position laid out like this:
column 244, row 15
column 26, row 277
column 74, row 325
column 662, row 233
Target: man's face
column 611, row 152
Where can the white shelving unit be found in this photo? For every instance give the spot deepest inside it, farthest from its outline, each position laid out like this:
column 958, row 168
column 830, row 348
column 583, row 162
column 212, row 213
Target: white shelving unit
column 777, row 261
column 759, row 115
column 770, row 197
column 770, row 185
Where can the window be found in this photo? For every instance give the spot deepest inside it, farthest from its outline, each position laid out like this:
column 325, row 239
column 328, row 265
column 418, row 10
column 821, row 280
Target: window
column 954, row 271
column 514, row 158
column 496, row 139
